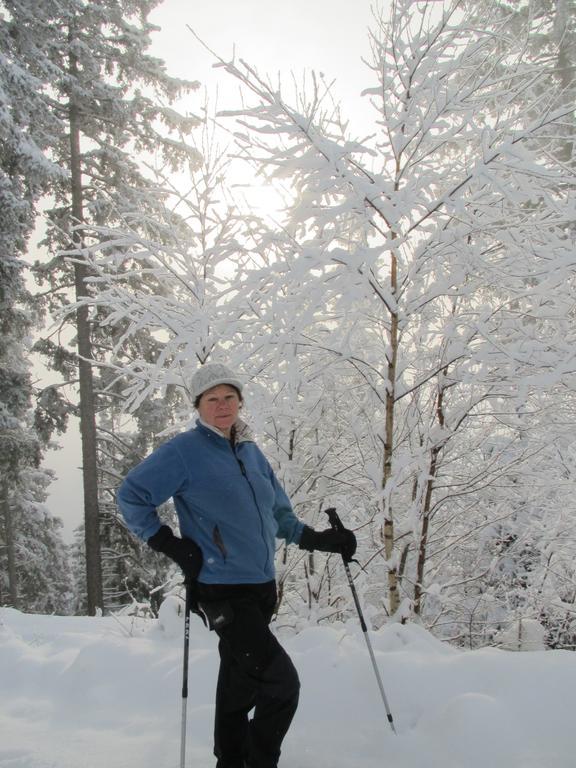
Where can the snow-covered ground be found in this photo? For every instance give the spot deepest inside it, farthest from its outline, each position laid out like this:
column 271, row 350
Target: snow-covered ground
column 81, row 692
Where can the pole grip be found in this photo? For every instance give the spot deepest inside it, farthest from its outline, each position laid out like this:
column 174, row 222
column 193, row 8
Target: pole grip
column 334, row 520
column 337, row 525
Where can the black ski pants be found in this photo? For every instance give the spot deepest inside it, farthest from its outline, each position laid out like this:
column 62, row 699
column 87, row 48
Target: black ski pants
column 255, row 674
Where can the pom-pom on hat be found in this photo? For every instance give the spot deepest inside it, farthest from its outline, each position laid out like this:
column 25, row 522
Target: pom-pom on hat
column 211, row 375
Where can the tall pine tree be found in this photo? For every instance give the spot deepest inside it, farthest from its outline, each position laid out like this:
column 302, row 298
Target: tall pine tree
column 27, row 128
column 111, row 100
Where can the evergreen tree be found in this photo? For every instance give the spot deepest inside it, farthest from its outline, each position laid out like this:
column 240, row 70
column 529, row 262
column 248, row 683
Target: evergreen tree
column 27, row 128
column 41, row 555
column 110, row 99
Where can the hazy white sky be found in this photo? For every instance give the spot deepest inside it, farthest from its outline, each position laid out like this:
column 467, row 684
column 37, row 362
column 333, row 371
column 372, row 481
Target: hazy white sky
column 274, row 35
column 329, row 36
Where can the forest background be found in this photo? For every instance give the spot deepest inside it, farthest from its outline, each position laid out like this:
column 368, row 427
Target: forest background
column 403, row 312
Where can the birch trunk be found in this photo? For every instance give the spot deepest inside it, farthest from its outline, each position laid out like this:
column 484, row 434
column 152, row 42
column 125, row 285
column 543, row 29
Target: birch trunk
column 388, row 527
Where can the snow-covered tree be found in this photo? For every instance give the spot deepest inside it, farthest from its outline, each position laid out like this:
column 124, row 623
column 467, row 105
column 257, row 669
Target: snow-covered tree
column 435, row 255
column 111, row 102
column 27, row 129
column 407, row 326
column 545, row 32
column 44, row 584
column 169, row 277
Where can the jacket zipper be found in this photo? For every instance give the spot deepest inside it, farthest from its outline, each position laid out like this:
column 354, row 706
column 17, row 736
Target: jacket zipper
column 245, row 475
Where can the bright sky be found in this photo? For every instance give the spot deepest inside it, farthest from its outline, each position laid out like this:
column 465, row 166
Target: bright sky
column 329, row 36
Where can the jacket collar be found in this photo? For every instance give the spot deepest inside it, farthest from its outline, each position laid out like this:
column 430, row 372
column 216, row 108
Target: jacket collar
column 243, row 433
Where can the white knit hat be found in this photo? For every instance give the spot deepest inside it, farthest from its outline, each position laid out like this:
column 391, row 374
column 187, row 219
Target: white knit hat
column 211, row 375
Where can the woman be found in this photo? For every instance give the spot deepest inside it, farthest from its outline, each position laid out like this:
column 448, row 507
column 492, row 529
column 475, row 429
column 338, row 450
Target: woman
column 230, row 508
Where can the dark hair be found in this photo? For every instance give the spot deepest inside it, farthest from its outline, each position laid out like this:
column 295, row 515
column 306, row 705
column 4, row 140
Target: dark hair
column 199, row 397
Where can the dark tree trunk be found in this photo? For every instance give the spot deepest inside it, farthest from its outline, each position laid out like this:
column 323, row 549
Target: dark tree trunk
column 87, row 404
column 6, row 517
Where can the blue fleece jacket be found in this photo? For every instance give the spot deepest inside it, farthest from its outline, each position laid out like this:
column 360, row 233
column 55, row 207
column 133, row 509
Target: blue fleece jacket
column 227, row 498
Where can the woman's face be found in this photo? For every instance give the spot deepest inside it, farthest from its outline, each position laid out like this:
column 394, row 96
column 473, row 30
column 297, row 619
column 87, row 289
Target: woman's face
column 219, row 407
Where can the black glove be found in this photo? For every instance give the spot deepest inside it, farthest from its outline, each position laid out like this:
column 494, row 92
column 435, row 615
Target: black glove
column 185, row 552
column 341, row 541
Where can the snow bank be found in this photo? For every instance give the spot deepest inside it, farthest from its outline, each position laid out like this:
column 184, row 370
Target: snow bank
column 80, row 692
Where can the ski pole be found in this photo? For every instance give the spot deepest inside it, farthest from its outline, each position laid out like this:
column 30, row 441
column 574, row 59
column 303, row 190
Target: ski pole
column 185, row 672
column 337, row 525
